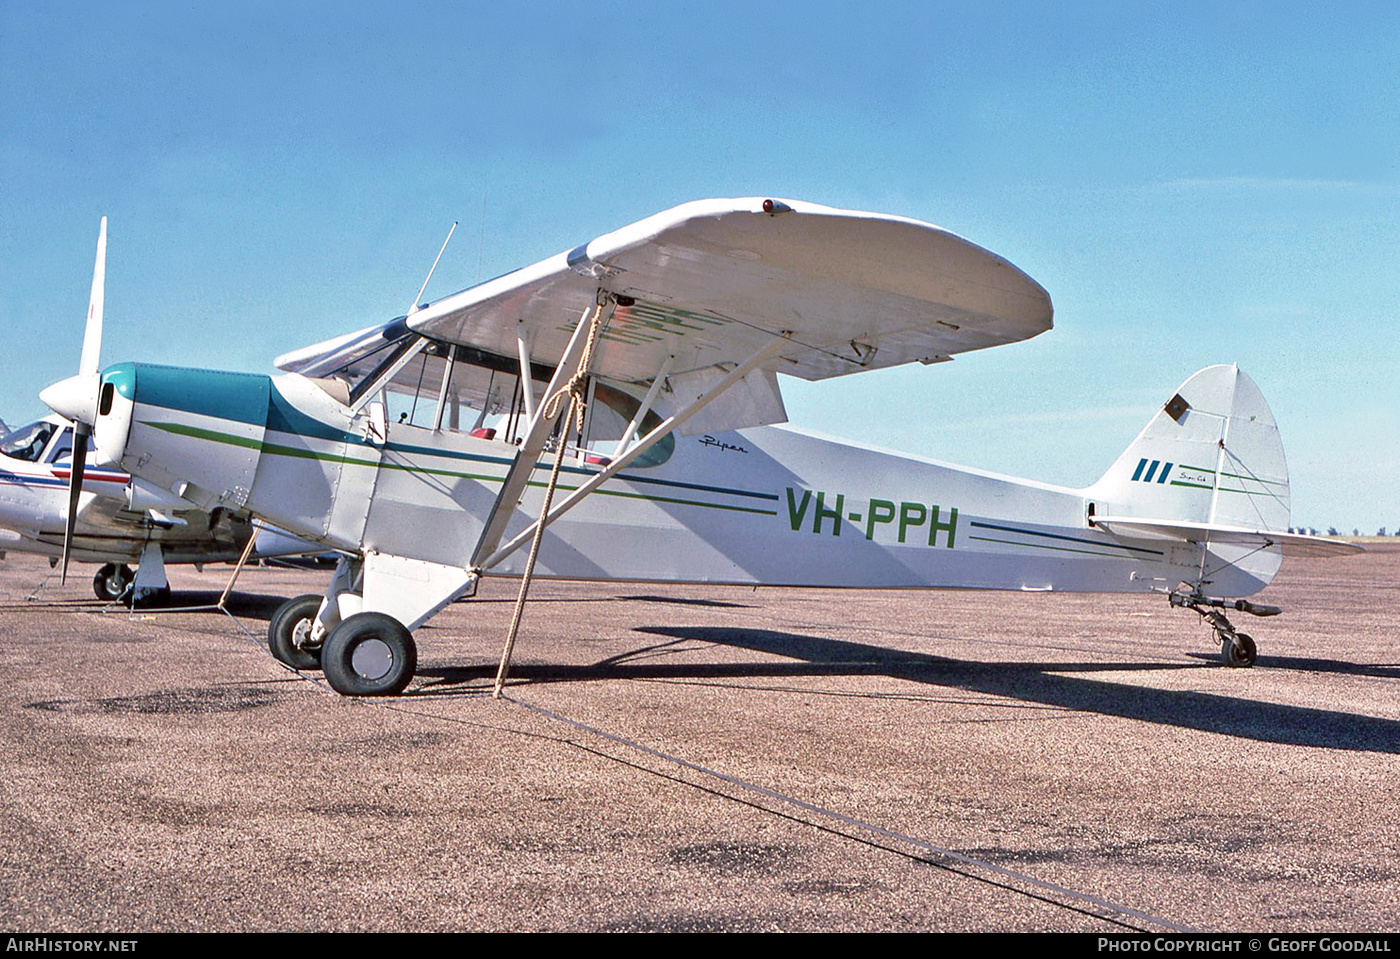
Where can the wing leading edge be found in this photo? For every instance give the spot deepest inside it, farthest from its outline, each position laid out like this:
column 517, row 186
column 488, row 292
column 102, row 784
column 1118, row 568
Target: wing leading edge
column 713, row 281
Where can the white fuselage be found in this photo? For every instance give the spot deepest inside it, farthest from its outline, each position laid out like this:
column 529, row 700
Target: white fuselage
column 769, row 506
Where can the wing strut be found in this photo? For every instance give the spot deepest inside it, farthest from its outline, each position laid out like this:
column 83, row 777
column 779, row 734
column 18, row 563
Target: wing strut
column 540, row 426
column 527, row 388
column 535, row 531
column 641, row 446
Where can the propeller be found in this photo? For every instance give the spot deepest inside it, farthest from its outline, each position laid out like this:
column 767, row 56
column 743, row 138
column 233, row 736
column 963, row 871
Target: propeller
column 76, row 397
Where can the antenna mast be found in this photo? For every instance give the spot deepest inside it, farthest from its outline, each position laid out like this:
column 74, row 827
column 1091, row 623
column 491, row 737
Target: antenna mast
column 413, row 307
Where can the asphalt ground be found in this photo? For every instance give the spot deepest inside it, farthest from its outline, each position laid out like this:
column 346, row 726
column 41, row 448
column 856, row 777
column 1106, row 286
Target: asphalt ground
column 691, row 758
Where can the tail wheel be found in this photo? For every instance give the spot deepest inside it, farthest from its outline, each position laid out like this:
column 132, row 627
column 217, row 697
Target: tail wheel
column 112, row 582
column 369, row 654
column 289, row 633
column 1239, row 652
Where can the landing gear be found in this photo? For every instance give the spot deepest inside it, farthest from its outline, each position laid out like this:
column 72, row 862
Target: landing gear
column 117, row 584
column 112, row 582
column 150, row 588
column 1238, row 652
column 289, row 633
column 369, row 654
column 1236, row 649
column 151, row 598
column 372, row 603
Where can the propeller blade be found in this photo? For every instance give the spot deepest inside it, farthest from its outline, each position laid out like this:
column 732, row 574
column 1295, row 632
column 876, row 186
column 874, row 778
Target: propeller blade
column 85, row 411
column 92, row 333
column 81, row 432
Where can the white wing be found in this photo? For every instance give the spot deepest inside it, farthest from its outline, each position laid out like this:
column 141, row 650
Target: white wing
column 713, row 281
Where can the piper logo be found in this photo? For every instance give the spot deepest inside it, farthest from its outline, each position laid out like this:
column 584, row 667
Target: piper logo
column 1151, row 470
column 910, row 522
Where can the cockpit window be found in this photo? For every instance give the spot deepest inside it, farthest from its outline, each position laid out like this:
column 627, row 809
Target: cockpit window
column 449, row 386
column 27, row 443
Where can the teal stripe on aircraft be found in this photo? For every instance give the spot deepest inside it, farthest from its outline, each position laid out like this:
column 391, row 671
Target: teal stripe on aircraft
column 240, row 397
column 251, row 398
column 576, row 470
column 283, row 417
column 266, row 446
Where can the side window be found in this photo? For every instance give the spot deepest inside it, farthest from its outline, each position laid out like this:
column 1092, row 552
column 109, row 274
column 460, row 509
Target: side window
column 625, row 406
column 27, row 443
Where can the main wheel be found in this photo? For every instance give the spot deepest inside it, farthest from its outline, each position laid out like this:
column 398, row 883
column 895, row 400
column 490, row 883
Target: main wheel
column 289, row 633
column 112, row 582
column 369, row 654
column 1241, row 652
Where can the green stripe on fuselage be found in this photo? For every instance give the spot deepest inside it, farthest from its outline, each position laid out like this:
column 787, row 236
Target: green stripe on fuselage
column 277, row 449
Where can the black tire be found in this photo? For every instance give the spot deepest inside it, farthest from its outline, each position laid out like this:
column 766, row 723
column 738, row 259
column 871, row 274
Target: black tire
column 112, row 582
column 289, row 629
column 1241, row 653
column 369, row 654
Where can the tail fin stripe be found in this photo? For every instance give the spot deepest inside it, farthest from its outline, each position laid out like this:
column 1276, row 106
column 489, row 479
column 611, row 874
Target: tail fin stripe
column 1166, row 471
column 1151, row 470
column 1138, row 472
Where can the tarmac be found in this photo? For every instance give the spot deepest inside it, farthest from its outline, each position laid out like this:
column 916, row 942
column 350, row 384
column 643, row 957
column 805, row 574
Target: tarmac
column 708, row 759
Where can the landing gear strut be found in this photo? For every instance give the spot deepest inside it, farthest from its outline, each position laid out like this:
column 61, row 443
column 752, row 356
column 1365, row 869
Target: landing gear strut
column 1236, row 649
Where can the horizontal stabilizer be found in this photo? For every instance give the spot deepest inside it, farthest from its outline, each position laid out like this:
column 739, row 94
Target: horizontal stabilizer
column 1294, row 544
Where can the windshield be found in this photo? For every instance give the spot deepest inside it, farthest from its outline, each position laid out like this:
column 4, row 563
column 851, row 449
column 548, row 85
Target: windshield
column 27, row 443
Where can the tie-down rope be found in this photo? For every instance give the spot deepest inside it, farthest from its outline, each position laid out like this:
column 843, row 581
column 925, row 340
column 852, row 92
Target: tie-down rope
column 578, row 402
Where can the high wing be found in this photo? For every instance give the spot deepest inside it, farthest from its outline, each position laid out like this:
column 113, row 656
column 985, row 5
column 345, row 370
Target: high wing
column 707, row 284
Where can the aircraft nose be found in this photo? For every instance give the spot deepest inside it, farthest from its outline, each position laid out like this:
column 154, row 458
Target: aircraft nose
column 75, row 398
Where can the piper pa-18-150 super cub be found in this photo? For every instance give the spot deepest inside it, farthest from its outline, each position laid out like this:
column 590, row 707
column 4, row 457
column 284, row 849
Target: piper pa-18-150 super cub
column 664, row 339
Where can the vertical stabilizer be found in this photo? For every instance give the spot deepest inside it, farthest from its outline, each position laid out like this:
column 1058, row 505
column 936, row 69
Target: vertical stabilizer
column 1210, row 455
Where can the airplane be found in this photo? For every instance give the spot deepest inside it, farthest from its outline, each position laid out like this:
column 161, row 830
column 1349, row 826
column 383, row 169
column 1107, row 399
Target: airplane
column 121, row 521
column 639, row 370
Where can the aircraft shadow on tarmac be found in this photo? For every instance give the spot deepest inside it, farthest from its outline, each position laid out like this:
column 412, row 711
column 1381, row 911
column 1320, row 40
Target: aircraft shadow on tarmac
column 258, row 606
column 1050, row 684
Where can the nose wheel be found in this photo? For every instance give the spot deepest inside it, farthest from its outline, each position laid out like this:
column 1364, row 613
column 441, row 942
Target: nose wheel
column 112, row 582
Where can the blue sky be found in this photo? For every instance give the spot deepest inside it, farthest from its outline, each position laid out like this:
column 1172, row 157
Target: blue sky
column 1194, row 183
